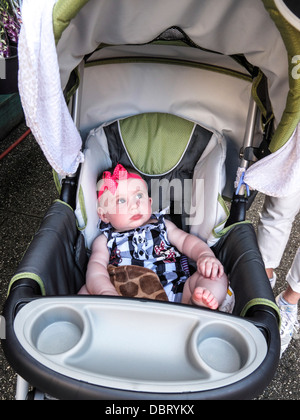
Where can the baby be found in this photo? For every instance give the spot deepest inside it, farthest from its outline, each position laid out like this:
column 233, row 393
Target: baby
column 132, row 235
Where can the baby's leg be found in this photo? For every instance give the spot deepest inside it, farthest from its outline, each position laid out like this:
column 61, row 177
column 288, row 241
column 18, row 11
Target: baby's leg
column 83, row 290
column 203, row 291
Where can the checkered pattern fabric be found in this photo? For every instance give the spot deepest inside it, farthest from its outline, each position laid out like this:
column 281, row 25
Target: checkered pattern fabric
column 148, row 246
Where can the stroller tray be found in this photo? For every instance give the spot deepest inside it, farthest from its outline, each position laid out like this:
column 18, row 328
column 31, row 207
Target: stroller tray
column 139, row 345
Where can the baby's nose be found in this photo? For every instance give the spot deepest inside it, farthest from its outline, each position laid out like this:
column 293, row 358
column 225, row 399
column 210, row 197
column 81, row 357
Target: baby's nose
column 136, row 203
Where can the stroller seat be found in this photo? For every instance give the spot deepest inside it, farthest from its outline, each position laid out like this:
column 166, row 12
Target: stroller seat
column 182, row 162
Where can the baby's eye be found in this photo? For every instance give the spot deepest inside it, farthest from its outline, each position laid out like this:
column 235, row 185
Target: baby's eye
column 139, row 196
column 121, row 201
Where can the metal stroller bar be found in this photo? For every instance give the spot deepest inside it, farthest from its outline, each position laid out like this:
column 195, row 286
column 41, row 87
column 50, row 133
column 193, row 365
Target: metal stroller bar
column 76, row 98
column 249, row 133
column 240, row 199
column 69, row 184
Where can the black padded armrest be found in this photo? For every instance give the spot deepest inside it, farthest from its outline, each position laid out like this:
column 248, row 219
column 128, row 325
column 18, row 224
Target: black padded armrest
column 56, row 257
column 239, row 253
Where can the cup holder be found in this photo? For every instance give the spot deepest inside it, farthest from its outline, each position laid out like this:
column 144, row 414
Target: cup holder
column 57, row 331
column 221, row 348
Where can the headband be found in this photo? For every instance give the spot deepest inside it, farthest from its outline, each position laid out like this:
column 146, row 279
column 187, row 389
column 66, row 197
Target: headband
column 111, row 181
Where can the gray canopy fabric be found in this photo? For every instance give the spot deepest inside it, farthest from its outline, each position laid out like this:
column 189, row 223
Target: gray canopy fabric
column 228, row 27
column 170, row 75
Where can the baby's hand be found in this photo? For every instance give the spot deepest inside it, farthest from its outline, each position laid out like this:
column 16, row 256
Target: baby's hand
column 209, row 266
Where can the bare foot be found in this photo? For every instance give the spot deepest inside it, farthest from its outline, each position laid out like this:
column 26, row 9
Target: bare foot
column 203, row 297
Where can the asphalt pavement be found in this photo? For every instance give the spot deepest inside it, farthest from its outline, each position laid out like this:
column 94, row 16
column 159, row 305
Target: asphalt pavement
column 27, row 190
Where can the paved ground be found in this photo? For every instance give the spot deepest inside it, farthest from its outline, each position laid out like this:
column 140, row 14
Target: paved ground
column 27, row 190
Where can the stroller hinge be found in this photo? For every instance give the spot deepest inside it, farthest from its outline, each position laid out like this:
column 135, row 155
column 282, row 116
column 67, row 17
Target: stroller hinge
column 249, row 153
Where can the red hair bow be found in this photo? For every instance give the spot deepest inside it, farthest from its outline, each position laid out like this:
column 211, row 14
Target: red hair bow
column 111, row 181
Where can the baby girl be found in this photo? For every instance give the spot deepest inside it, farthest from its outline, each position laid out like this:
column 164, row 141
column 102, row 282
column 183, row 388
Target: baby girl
column 132, row 235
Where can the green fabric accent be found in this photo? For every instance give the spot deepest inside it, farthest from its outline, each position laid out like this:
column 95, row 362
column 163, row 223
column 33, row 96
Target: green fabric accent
column 223, row 204
column 172, row 42
column 155, row 142
column 71, row 89
column 261, row 301
column 291, row 115
column 31, row 276
column 63, row 202
column 255, row 95
column 82, row 208
column 56, row 181
column 63, row 12
column 227, row 212
column 225, row 230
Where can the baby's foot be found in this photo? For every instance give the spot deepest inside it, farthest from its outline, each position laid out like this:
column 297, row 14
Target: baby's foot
column 203, row 297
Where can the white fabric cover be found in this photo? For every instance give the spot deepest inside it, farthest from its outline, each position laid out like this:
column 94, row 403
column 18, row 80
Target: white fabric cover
column 96, row 161
column 214, row 100
column 211, row 169
column 42, row 99
column 278, row 174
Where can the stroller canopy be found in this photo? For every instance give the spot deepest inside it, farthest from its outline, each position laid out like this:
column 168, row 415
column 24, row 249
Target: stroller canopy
column 228, row 27
column 260, row 34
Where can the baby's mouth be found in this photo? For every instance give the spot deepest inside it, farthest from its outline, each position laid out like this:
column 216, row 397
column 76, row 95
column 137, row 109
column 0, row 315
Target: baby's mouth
column 136, row 217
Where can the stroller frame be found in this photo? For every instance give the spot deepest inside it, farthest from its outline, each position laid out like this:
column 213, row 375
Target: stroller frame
column 30, row 312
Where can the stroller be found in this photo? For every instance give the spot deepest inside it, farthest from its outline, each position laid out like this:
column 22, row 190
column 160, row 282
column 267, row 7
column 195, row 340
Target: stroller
column 172, row 89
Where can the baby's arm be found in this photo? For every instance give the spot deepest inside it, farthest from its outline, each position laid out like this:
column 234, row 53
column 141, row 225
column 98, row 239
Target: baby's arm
column 196, row 249
column 97, row 277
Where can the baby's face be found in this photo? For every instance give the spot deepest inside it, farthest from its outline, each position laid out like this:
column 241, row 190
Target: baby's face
column 129, row 207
